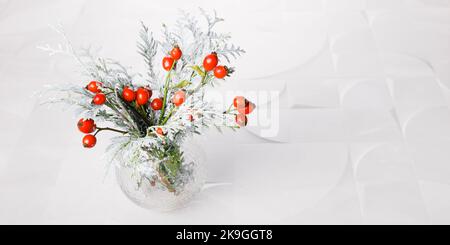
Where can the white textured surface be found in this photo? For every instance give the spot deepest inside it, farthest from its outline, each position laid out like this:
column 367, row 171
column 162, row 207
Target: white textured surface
column 361, row 87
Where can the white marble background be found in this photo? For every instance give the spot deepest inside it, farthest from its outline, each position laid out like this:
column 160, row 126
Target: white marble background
column 364, row 95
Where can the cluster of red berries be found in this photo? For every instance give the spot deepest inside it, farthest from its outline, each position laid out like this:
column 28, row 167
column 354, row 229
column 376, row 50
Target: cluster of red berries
column 244, row 107
column 141, row 96
column 210, row 63
column 169, row 61
column 87, row 126
column 99, row 97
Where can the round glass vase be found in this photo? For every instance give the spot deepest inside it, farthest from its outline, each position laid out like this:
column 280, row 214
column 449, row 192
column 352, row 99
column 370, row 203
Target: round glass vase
column 154, row 196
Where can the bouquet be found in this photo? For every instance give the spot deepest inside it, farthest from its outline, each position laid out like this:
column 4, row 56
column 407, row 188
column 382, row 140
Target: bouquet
column 155, row 112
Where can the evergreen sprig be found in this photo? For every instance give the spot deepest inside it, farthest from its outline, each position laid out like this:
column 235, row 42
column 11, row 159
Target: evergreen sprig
column 147, row 48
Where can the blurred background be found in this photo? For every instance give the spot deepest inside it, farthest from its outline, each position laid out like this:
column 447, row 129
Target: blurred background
column 352, row 127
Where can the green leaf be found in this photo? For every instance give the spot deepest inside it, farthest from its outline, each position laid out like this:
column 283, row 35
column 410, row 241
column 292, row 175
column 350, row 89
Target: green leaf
column 198, row 70
column 182, row 84
column 172, row 164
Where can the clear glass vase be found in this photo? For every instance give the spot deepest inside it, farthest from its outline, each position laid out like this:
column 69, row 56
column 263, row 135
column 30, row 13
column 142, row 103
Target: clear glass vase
column 154, row 194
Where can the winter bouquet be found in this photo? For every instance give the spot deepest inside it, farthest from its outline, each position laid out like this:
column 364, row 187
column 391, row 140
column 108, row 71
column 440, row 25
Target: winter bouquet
column 155, row 112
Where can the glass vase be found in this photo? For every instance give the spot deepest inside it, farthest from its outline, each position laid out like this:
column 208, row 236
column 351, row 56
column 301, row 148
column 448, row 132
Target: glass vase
column 155, row 193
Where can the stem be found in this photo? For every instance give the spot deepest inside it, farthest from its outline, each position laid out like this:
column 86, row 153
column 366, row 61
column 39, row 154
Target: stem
column 201, row 84
column 166, row 90
column 168, row 116
column 192, row 76
column 140, row 109
column 135, row 109
column 165, row 182
column 119, row 105
column 113, row 107
column 109, row 129
column 229, row 109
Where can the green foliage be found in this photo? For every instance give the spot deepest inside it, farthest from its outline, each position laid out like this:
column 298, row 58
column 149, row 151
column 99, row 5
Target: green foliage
column 170, row 160
column 182, row 84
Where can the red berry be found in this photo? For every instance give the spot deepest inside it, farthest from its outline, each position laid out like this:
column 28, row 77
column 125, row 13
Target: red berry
column 94, row 86
column 167, row 63
column 176, row 53
column 160, row 131
column 143, row 95
column 86, row 126
column 240, row 101
column 157, row 104
column 241, row 120
column 99, row 99
column 190, row 118
column 128, row 94
column 220, row 71
column 179, row 97
column 247, row 109
column 89, row 141
column 210, row 61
